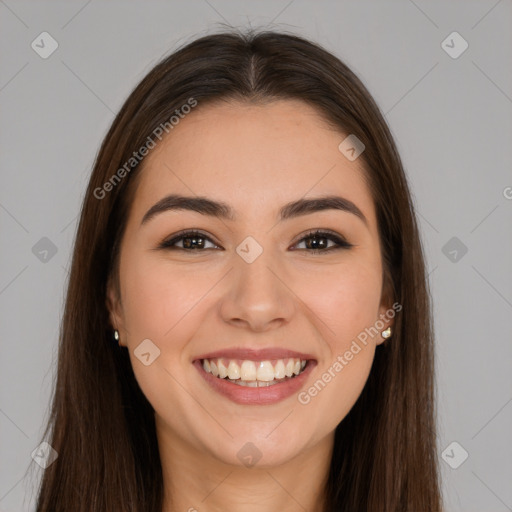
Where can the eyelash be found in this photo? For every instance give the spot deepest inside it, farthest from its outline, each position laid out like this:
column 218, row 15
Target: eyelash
column 341, row 243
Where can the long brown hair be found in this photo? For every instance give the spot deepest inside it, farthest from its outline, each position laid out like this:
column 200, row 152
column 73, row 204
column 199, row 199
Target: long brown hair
column 101, row 424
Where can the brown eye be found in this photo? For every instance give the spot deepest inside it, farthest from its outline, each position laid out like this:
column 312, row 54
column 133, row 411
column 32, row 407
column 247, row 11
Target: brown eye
column 317, row 241
column 191, row 241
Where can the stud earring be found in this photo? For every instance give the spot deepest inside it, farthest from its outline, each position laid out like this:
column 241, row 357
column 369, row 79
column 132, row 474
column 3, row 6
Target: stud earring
column 116, row 335
column 386, row 333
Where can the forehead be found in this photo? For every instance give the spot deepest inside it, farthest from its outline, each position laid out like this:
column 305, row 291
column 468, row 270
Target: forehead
column 254, row 157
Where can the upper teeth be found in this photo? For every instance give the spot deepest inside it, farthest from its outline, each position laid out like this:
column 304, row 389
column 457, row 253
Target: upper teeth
column 248, row 370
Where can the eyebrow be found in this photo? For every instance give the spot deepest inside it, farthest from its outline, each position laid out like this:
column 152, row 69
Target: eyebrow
column 218, row 209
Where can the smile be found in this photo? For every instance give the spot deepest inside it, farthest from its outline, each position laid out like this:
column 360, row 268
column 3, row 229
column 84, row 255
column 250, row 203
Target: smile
column 254, row 373
column 257, row 381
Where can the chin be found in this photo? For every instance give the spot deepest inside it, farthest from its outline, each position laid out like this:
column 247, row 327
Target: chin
column 258, row 448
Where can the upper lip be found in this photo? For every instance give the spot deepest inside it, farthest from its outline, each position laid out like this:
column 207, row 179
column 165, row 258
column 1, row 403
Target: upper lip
column 262, row 354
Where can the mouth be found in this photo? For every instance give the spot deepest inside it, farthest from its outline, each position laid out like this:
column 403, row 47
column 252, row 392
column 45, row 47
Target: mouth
column 255, row 374
column 255, row 381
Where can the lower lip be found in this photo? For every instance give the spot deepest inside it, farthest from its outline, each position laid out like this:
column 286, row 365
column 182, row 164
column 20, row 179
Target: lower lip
column 256, row 396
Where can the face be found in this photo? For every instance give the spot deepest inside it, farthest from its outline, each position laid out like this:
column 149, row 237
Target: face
column 257, row 289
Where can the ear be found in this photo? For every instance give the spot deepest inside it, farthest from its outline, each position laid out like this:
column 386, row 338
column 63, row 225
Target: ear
column 387, row 310
column 386, row 316
column 114, row 308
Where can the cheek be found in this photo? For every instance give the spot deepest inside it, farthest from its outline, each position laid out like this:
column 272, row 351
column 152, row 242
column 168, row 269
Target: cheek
column 157, row 300
column 163, row 304
column 347, row 302
column 169, row 303
column 345, row 298
column 337, row 386
column 340, row 377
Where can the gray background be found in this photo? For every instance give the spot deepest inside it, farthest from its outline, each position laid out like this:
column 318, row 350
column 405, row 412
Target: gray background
column 452, row 120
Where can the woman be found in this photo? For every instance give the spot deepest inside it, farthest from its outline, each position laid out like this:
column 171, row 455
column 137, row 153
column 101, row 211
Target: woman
column 247, row 323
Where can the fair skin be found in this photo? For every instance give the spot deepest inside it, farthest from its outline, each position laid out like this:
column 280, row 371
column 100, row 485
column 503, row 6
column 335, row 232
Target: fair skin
column 255, row 159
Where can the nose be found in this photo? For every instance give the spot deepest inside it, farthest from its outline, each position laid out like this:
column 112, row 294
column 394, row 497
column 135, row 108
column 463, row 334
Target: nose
column 259, row 295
